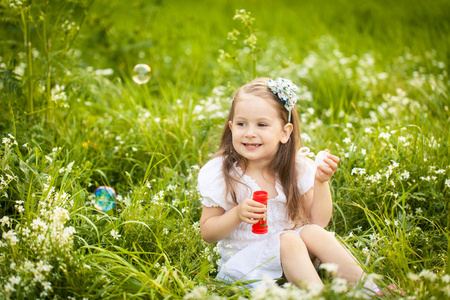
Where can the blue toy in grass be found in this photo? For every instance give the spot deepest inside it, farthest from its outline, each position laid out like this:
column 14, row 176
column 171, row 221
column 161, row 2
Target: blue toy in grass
column 105, row 198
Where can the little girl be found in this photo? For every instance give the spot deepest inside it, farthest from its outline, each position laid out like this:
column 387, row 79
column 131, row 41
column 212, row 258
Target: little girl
column 258, row 151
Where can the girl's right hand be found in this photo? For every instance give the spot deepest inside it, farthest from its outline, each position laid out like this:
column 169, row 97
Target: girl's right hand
column 250, row 211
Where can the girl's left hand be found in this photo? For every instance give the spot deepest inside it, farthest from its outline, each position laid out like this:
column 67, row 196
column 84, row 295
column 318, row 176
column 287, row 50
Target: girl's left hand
column 326, row 171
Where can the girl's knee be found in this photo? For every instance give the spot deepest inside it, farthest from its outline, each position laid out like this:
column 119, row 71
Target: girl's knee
column 291, row 240
column 315, row 231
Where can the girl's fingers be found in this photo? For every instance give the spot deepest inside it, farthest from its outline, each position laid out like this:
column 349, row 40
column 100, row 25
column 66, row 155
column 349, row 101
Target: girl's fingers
column 251, row 221
column 251, row 211
column 334, row 158
column 327, row 169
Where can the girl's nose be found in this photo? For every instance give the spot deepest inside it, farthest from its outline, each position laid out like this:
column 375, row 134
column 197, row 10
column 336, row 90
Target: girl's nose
column 250, row 133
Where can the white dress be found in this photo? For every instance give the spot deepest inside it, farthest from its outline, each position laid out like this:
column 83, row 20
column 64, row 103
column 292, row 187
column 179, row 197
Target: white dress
column 246, row 256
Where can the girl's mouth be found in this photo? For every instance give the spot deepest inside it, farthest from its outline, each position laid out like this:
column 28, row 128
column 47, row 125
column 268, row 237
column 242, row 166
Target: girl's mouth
column 251, row 145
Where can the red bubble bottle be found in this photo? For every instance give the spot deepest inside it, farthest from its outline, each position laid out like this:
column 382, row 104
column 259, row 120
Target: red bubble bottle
column 260, row 227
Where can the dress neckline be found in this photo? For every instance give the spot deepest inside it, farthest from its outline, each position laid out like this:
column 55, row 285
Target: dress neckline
column 255, row 184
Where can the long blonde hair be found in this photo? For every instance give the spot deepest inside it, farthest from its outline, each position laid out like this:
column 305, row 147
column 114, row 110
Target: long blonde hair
column 283, row 165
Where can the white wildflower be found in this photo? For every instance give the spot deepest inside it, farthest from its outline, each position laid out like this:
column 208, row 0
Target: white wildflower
column 5, row 221
column 446, row 290
column 199, row 292
column 115, row 234
column 358, row 171
column 413, row 276
column 445, row 278
column 11, row 236
column 404, row 175
column 384, row 135
column 69, row 167
column 331, row 268
column 347, row 140
column 46, row 285
column 28, row 266
column 305, row 137
column 339, row 285
column 8, row 288
column 314, row 289
column 14, row 280
column 427, row 274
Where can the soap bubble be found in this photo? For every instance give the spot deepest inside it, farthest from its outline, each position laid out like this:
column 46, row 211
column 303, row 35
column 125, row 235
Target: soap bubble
column 105, row 198
column 303, row 151
column 141, row 73
column 320, row 157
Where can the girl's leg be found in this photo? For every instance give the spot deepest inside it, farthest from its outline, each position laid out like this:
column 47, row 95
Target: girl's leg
column 297, row 265
column 327, row 249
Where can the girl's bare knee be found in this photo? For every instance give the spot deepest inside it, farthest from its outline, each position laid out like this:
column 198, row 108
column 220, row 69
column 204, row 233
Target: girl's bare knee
column 314, row 231
column 291, row 240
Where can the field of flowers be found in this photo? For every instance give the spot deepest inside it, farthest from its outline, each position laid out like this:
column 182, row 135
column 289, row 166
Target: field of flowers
column 374, row 89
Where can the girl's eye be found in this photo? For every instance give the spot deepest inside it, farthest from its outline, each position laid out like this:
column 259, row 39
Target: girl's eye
column 240, row 123
column 262, row 125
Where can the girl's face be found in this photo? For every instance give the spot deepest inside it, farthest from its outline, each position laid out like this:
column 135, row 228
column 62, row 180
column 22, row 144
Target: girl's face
column 257, row 129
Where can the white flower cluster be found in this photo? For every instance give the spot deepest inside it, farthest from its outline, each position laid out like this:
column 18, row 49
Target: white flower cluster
column 4, row 183
column 9, row 141
column 15, row 4
column 47, row 238
column 59, row 96
column 211, row 108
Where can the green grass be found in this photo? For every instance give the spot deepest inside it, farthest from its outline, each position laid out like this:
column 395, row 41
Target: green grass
column 374, row 90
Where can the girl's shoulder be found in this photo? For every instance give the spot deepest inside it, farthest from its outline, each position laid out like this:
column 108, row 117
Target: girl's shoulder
column 211, row 185
column 213, row 166
column 210, row 175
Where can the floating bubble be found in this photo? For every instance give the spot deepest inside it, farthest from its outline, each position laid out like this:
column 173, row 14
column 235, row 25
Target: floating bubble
column 320, row 157
column 105, row 198
column 303, row 151
column 141, row 73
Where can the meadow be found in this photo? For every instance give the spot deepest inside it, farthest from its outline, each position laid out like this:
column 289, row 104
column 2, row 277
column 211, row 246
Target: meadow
column 374, row 89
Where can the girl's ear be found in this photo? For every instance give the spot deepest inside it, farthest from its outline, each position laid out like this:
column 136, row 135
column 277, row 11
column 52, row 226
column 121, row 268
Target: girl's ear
column 230, row 124
column 286, row 133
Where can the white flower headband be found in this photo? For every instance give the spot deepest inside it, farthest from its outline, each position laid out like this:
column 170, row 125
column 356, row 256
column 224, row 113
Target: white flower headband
column 285, row 90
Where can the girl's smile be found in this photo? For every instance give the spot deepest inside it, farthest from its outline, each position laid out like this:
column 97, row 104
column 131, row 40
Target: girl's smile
column 251, row 146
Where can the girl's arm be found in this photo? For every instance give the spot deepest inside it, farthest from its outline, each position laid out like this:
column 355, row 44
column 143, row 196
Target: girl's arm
column 216, row 224
column 322, row 204
column 319, row 202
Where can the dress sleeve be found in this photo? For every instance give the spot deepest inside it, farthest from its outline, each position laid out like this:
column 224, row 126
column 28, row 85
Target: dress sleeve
column 211, row 185
column 307, row 172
